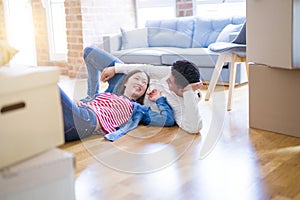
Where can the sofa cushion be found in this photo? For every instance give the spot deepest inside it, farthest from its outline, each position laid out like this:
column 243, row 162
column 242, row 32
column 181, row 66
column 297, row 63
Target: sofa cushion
column 170, row 32
column 199, row 56
column 167, row 56
column 149, row 55
column 224, row 36
column 136, row 38
column 159, row 37
column 208, row 28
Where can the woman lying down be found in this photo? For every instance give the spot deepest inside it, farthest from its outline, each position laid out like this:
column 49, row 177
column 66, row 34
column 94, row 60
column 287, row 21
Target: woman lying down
column 115, row 114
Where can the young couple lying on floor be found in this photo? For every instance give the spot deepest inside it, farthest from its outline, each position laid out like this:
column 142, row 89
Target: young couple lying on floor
column 130, row 100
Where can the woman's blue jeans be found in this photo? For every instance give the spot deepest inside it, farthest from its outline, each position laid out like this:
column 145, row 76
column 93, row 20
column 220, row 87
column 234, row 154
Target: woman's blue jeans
column 96, row 60
column 79, row 122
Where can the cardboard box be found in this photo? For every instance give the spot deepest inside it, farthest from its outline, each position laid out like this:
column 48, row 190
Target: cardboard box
column 273, row 28
column 30, row 112
column 274, row 99
column 48, row 176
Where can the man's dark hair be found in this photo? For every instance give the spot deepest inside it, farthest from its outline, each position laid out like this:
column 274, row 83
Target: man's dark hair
column 184, row 73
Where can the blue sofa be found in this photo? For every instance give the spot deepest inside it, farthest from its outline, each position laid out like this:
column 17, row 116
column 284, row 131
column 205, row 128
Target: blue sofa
column 162, row 42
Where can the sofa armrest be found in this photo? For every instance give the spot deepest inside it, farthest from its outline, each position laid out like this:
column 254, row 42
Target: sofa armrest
column 112, row 42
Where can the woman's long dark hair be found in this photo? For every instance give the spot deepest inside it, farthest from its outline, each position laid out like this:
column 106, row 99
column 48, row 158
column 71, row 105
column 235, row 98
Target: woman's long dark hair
column 131, row 73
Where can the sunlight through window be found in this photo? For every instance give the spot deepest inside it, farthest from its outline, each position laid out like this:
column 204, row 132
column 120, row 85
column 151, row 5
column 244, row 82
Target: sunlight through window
column 20, row 31
column 220, row 7
column 55, row 11
column 154, row 9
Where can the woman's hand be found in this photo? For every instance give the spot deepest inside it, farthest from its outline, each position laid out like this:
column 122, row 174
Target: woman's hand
column 78, row 103
column 153, row 95
column 107, row 73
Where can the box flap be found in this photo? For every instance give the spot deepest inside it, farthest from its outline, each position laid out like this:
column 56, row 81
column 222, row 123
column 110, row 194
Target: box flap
column 13, row 79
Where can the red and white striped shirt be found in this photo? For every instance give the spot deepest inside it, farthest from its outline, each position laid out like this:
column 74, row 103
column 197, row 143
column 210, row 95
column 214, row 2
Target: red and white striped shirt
column 112, row 110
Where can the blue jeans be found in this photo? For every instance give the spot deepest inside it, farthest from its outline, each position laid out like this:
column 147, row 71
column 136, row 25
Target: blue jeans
column 79, row 122
column 96, row 60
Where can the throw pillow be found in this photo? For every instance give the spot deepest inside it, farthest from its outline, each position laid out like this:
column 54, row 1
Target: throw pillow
column 136, row 38
column 224, row 35
column 6, row 52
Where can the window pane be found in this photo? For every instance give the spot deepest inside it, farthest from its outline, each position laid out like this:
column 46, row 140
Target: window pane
column 221, row 7
column 154, row 3
column 57, row 30
column 59, row 27
column 20, row 31
column 154, row 9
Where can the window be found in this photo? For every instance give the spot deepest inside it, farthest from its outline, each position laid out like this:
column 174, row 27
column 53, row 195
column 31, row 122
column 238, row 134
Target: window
column 56, row 19
column 20, row 32
column 154, row 9
column 220, row 7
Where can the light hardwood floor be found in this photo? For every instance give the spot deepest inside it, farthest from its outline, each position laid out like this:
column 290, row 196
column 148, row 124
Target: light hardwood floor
column 166, row 163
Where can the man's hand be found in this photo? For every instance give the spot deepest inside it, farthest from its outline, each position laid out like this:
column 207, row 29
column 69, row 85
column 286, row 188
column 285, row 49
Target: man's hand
column 153, row 95
column 107, row 74
column 193, row 86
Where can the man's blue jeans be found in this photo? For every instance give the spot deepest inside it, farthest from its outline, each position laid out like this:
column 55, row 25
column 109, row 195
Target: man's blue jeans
column 96, row 60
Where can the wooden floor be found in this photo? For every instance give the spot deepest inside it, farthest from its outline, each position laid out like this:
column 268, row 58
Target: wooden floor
column 227, row 161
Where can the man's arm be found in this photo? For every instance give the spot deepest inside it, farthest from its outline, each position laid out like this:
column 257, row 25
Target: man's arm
column 186, row 108
column 155, row 72
column 191, row 120
column 186, row 111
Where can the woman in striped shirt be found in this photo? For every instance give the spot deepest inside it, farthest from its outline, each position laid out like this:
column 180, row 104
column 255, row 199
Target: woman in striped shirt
column 115, row 114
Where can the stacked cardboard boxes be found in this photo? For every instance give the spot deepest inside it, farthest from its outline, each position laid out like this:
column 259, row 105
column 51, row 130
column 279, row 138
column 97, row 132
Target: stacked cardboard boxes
column 31, row 127
column 48, row 175
column 273, row 46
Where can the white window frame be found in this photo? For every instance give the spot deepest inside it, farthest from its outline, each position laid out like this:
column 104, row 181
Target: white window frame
column 220, row 7
column 154, row 9
column 57, row 39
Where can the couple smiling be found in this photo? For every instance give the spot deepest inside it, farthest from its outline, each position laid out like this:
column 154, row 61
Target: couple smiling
column 120, row 108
